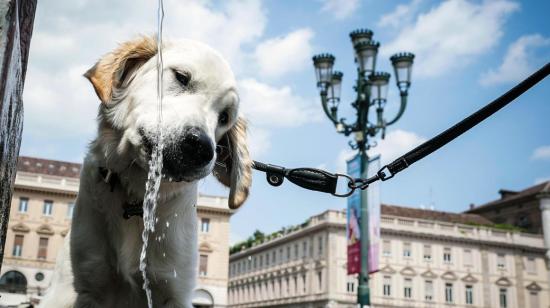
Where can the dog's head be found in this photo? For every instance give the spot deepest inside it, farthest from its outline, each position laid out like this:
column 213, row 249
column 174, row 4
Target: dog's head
column 201, row 127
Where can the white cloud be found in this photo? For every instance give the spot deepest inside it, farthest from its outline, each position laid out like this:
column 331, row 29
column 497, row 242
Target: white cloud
column 282, row 55
column 403, row 13
column 518, row 61
column 265, row 105
column 452, row 34
column 541, row 153
column 340, row 8
column 396, row 143
column 236, row 24
column 259, row 141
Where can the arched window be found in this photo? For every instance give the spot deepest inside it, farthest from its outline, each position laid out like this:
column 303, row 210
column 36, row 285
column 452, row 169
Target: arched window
column 13, row 282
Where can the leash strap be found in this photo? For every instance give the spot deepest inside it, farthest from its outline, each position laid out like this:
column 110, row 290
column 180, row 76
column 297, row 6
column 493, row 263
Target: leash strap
column 323, row 181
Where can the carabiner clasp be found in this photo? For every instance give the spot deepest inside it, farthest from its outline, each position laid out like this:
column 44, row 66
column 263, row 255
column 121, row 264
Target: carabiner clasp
column 351, row 186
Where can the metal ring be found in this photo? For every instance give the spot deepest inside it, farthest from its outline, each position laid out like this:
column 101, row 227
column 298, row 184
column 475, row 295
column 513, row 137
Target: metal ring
column 351, row 185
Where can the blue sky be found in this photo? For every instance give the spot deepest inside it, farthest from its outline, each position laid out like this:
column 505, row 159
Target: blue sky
column 467, row 53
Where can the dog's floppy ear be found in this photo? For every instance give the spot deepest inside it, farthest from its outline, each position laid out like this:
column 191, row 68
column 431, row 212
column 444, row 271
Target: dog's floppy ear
column 111, row 71
column 233, row 165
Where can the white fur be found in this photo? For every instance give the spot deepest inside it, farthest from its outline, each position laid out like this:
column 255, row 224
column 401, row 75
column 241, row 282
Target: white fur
column 104, row 247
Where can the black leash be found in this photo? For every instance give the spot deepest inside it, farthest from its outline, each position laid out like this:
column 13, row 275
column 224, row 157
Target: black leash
column 323, row 181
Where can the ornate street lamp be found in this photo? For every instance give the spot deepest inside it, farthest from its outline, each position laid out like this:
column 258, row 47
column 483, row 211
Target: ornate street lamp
column 372, row 90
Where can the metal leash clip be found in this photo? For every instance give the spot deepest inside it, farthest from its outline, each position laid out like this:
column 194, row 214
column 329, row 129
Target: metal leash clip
column 310, row 178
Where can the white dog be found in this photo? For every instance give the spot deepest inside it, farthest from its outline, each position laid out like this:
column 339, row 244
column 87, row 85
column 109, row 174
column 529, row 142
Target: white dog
column 203, row 134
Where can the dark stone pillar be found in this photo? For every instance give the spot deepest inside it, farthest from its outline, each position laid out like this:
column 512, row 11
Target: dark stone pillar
column 16, row 23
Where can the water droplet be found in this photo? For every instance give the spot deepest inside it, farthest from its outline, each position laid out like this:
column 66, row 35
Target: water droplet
column 164, row 254
column 167, row 224
column 175, row 274
column 176, row 214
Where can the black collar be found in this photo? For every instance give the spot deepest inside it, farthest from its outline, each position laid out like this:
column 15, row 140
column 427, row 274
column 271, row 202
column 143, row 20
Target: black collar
column 129, row 208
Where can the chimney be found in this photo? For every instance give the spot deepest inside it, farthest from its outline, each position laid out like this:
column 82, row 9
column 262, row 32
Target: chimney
column 472, row 206
column 504, row 193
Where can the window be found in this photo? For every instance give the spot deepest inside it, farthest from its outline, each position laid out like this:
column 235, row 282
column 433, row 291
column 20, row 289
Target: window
column 203, row 265
column 407, row 250
column 287, row 286
column 261, row 261
column 304, row 283
column 448, row 292
column 447, row 255
column 407, row 288
column 23, row 204
column 387, row 286
column 254, row 263
column 295, row 284
column 47, row 208
column 534, row 299
column 350, row 287
column 531, row 265
column 288, row 253
column 386, row 248
column 468, row 257
column 43, row 248
column 469, row 295
column 429, row 290
column 281, row 255
column 503, row 298
column 273, row 256
column 427, row 253
column 320, row 245
column 296, row 251
column 70, row 210
column 304, row 249
column 311, row 248
column 17, row 245
column 205, row 225
column 320, row 280
column 267, row 259
column 501, row 261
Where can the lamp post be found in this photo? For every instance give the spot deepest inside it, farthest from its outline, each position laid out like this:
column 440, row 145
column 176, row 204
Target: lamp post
column 371, row 87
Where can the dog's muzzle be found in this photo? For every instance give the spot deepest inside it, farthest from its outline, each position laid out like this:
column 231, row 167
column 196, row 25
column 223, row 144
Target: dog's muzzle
column 185, row 156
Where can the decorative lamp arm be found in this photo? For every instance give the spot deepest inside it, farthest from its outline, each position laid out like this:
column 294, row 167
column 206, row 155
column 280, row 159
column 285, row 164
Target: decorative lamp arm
column 330, row 114
column 401, row 109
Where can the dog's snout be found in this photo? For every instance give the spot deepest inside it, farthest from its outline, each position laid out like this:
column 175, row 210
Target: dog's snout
column 197, row 147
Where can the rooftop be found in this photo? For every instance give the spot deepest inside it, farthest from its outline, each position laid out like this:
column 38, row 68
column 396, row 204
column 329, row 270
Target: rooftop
column 387, row 211
column 48, row 167
column 508, row 196
column 459, row 218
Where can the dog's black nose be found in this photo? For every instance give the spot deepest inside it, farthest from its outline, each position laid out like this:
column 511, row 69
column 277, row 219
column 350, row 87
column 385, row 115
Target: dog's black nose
column 196, row 147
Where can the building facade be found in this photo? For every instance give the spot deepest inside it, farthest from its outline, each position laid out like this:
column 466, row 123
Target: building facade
column 40, row 218
column 528, row 209
column 427, row 259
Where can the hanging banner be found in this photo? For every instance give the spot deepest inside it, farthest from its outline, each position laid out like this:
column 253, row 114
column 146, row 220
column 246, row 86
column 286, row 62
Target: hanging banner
column 353, row 229
column 353, row 226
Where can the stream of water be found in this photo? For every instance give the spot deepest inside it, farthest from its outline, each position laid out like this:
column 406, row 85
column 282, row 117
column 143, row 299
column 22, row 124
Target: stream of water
column 155, row 166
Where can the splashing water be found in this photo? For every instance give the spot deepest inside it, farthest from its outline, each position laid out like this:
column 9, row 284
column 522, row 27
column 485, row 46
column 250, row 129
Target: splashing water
column 155, row 167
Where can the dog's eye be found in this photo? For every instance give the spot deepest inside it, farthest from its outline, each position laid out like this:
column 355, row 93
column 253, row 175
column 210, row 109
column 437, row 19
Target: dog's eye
column 223, row 118
column 183, row 78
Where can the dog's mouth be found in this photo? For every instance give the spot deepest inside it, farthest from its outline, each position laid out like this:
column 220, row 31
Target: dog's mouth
column 169, row 177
